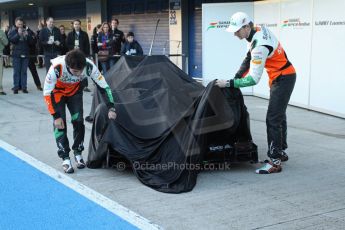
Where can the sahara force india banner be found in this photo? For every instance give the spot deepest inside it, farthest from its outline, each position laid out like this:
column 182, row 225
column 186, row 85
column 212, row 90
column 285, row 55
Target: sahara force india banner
column 311, row 32
column 222, row 52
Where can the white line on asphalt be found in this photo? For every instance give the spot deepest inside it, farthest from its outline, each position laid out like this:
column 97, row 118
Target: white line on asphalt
column 112, row 206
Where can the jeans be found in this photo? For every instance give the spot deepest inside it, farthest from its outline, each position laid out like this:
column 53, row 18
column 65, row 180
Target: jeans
column 280, row 93
column 34, row 73
column 20, row 67
column 107, row 65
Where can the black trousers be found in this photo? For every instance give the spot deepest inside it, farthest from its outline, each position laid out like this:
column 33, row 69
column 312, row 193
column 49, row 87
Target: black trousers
column 280, row 93
column 75, row 106
column 47, row 58
column 33, row 70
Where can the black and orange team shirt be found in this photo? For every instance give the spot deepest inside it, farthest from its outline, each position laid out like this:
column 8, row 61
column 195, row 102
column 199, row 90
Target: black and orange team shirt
column 265, row 52
column 60, row 82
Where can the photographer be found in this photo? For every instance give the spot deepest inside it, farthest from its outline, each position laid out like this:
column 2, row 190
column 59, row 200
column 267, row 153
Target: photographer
column 21, row 38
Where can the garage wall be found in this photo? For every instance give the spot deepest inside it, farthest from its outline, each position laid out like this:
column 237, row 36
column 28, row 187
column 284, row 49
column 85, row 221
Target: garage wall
column 143, row 27
column 195, row 42
column 140, row 17
column 30, row 16
column 64, row 14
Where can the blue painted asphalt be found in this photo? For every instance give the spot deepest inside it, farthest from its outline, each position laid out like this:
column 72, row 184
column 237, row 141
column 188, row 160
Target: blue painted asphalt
column 30, row 199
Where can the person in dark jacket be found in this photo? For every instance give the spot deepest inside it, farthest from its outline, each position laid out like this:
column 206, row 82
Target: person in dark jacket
column 50, row 39
column 32, row 59
column 21, row 38
column 79, row 39
column 40, row 26
column 94, row 47
column 95, row 32
column 64, row 48
column 118, row 36
column 131, row 47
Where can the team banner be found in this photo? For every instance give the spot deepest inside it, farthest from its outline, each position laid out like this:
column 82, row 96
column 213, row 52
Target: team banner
column 222, row 52
column 311, row 32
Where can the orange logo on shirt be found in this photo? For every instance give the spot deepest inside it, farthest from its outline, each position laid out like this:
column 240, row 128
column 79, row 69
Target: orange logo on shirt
column 257, row 62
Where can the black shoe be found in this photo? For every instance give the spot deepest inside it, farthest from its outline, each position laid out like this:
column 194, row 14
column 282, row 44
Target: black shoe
column 2, row 93
column 15, row 91
column 25, row 91
column 87, row 89
column 89, row 119
column 39, row 88
column 284, row 156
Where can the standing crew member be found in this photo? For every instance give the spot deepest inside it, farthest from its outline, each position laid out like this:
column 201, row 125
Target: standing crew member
column 50, row 38
column 63, row 87
column 265, row 51
column 118, row 36
column 79, row 39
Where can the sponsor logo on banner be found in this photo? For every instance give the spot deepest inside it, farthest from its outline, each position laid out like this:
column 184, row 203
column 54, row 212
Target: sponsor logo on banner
column 218, row 25
column 329, row 23
column 294, row 23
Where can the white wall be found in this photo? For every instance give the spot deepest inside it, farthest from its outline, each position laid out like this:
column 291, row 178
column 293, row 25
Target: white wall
column 312, row 34
column 222, row 52
column 327, row 83
column 295, row 38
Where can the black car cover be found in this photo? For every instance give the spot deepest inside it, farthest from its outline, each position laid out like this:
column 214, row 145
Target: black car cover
column 168, row 125
column 116, row 74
